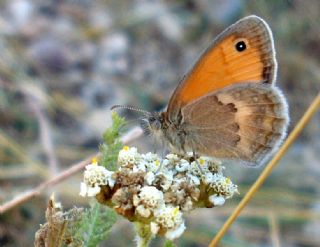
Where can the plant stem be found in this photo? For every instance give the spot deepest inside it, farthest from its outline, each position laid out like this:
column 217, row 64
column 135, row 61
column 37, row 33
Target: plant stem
column 144, row 234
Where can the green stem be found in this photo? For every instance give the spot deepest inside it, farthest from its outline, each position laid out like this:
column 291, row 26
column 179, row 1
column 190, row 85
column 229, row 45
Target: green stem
column 144, row 234
column 94, row 219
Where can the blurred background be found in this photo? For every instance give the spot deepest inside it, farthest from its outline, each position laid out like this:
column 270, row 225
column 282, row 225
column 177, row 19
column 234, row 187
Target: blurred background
column 64, row 63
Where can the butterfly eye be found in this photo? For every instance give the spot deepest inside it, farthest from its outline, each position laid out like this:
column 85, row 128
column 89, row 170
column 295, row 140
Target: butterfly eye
column 241, row 46
column 152, row 119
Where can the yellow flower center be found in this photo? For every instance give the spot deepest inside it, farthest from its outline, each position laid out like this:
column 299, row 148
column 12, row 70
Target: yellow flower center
column 94, row 161
column 175, row 211
column 201, row 161
column 228, row 180
column 157, row 162
column 126, row 148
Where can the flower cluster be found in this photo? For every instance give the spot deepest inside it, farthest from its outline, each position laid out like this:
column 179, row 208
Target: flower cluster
column 94, row 177
column 156, row 192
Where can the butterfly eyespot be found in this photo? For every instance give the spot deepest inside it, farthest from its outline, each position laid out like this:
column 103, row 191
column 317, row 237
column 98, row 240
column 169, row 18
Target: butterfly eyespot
column 241, row 46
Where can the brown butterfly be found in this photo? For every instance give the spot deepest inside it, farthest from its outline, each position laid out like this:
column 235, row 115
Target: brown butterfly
column 227, row 106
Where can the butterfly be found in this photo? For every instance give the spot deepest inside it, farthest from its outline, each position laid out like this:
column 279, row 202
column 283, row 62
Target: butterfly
column 228, row 106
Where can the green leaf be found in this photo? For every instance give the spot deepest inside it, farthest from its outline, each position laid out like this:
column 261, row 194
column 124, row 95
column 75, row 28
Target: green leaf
column 95, row 225
column 112, row 134
column 169, row 243
column 111, row 143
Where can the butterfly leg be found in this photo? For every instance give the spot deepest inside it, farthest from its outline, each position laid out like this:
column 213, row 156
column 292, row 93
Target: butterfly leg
column 155, row 146
column 196, row 160
column 162, row 157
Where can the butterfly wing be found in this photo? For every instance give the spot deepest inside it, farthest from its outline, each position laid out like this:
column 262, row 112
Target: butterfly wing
column 245, row 121
column 242, row 53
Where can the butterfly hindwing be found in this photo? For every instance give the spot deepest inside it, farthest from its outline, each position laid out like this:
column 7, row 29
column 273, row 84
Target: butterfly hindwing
column 244, row 121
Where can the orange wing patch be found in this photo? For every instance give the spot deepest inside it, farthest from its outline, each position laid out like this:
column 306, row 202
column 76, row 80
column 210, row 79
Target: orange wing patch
column 222, row 66
column 242, row 53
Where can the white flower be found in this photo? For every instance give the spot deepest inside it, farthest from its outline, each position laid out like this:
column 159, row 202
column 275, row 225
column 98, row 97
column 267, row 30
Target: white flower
column 189, row 154
column 219, row 180
column 197, row 168
column 148, row 200
column 173, row 158
column 154, row 227
column 94, row 176
column 217, row 200
column 193, row 179
column 83, row 189
column 143, row 211
column 128, row 156
column 138, row 168
column 109, row 179
column 166, row 179
column 179, row 180
column 170, row 219
column 93, row 191
column 149, row 178
column 182, row 166
column 150, row 157
column 170, row 162
column 204, row 165
column 154, row 166
column 150, row 161
column 208, row 178
column 221, row 185
column 90, row 191
column 188, row 205
column 175, row 233
column 57, row 205
column 213, row 165
column 158, row 197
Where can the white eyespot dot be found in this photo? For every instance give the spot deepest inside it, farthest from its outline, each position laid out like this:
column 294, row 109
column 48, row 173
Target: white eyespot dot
column 255, row 99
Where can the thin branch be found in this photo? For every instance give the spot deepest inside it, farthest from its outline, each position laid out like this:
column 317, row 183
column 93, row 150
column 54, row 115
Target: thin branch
column 45, row 132
column 268, row 169
column 274, row 230
column 282, row 212
column 22, row 198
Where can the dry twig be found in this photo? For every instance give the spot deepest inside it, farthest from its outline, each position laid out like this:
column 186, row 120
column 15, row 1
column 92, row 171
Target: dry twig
column 22, row 198
column 45, row 133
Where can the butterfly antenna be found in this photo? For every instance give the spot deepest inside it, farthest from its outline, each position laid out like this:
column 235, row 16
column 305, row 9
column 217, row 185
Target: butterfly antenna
column 130, row 108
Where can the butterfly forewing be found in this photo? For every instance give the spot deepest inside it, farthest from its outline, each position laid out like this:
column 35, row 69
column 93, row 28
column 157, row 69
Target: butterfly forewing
column 242, row 53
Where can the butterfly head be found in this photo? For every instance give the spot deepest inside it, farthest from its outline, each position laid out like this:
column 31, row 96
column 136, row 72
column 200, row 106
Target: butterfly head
column 151, row 122
column 154, row 121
